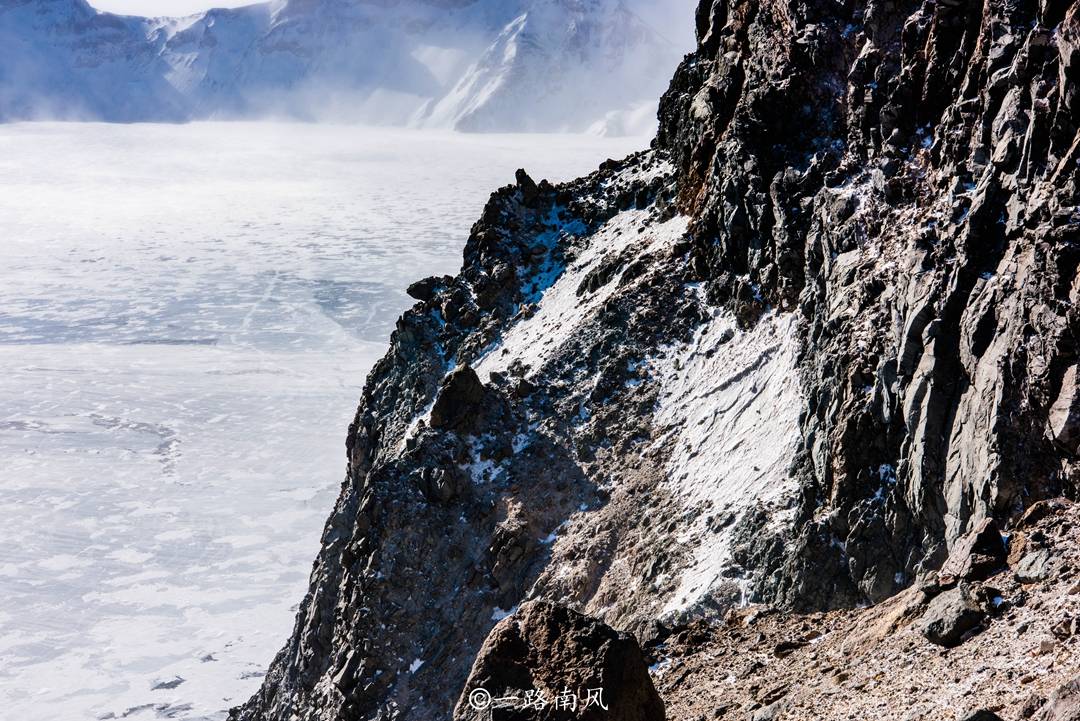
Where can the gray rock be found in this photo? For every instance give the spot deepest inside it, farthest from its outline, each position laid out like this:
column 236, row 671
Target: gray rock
column 950, row 616
column 977, row 554
column 1063, row 423
column 1034, row 567
column 544, row 647
column 772, row 712
column 1063, row 704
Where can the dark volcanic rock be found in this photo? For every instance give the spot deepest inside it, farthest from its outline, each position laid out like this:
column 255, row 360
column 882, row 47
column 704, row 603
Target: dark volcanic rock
column 559, row 656
column 458, row 400
column 425, row 289
column 950, row 616
column 869, row 211
column 981, row 715
column 916, row 203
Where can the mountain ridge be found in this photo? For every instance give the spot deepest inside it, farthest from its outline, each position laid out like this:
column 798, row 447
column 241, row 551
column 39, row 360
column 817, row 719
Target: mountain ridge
column 407, row 62
column 812, row 351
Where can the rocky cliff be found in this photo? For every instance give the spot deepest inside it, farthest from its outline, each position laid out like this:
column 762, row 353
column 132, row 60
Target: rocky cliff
column 814, row 343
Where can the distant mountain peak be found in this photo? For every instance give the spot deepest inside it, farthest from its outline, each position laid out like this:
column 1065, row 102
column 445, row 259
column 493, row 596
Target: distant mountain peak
column 470, row 64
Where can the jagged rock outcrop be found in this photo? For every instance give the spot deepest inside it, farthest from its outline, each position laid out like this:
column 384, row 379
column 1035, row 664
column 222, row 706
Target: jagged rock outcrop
column 817, row 336
column 547, row 663
column 915, row 205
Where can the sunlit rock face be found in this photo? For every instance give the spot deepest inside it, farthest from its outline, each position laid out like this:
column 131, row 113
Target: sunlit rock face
column 791, row 354
column 524, row 65
column 914, row 205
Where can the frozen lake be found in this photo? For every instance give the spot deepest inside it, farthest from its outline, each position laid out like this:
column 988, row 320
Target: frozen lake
column 187, row 314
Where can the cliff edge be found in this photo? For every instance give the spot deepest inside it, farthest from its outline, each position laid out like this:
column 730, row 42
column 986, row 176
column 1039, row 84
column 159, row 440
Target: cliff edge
column 797, row 354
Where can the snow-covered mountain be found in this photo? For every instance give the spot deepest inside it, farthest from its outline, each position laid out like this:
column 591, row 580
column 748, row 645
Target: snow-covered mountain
column 63, row 59
column 555, row 64
column 469, row 64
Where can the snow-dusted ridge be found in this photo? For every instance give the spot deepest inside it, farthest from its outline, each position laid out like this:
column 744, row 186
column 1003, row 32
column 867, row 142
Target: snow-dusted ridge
column 561, row 309
column 480, row 65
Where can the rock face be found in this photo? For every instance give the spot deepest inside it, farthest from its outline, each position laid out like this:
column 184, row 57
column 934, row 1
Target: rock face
column 546, row 662
column 916, row 208
column 802, row 351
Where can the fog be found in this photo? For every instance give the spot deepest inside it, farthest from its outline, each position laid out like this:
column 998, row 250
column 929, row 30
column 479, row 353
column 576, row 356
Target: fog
column 187, row 315
column 490, row 66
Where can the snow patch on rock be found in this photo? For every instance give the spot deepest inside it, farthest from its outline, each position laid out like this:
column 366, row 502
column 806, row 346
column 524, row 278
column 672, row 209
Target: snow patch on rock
column 728, row 411
column 561, row 310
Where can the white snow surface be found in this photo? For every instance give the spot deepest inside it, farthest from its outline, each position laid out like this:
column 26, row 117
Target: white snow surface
column 481, row 65
column 729, row 408
column 187, row 314
column 729, row 400
column 560, row 312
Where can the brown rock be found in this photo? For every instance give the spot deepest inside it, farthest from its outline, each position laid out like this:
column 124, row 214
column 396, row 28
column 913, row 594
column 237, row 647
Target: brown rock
column 545, row 652
column 977, row 554
column 1064, row 704
column 1041, row 509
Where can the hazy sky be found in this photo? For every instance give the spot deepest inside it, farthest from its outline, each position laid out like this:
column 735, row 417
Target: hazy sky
column 154, row 8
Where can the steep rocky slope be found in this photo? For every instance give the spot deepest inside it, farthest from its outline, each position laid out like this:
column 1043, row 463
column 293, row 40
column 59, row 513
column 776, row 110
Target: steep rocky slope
column 1017, row 659
column 796, row 353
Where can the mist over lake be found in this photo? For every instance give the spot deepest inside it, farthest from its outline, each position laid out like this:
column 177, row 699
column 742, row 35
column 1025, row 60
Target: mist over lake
column 186, row 320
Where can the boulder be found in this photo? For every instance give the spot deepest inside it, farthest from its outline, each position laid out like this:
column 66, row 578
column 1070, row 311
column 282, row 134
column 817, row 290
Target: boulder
column 425, row 289
column 1034, row 567
column 548, row 663
column 1063, row 704
column 950, row 616
column 977, row 554
column 458, row 400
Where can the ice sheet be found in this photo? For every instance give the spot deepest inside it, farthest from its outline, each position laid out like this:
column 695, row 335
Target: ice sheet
column 187, row 314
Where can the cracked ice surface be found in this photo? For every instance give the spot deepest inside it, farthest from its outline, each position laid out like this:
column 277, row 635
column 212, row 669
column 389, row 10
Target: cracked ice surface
column 186, row 317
